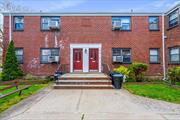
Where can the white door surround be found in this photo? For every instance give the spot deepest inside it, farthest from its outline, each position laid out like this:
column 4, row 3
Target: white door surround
column 85, row 48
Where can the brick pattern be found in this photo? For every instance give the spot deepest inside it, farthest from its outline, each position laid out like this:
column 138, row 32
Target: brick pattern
column 85, row 30
column 172, row 40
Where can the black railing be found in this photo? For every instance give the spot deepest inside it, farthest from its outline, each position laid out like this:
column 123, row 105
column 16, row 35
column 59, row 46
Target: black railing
column 63, row 68
column 106, row 69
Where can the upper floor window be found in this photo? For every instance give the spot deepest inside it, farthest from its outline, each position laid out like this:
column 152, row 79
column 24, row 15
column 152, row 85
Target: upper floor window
column 121, row 23
column 121, row 55
column 173, row 18
column 174, row 55
column 49, row 55
column 50, row 22
column 19, row 55
column 154, row 23
column 18, row 23
column 154, row 55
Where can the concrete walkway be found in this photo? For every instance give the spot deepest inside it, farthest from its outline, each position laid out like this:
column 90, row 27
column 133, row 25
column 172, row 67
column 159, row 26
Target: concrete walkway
column 52, row 104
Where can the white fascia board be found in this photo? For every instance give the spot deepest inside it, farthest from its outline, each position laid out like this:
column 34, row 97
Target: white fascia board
column 82, row 14
column 172, row 9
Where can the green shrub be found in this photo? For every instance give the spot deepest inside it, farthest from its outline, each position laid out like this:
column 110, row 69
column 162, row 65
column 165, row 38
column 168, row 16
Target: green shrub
column 137, row 71
column 123, row 70
column 0, row 75
column 11, row 69
column 174, row 75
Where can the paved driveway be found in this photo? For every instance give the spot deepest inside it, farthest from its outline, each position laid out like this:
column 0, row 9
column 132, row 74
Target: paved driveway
column 52, row 104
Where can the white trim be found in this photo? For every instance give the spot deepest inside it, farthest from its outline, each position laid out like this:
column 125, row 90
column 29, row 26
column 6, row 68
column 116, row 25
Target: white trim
column 172, row 9
column 85, row 61
column 163, row 49
column 84, row 14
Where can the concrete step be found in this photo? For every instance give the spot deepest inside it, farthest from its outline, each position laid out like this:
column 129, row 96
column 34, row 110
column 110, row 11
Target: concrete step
column 75, row 82
column 85, row 76
column 79, row 86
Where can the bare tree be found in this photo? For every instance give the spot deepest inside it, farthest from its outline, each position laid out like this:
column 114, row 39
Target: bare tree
column 9, row 6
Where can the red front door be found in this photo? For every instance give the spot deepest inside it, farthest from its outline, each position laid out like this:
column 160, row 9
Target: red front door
column 93, row 59
column 77, row 59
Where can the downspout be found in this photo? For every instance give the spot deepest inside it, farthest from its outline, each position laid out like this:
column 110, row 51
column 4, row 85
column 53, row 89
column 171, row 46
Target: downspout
column 10, row 30
column 163, row 49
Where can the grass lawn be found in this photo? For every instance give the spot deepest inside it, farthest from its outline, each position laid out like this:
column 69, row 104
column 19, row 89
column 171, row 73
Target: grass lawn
column 178, row 83
column 8, row 101
column 158, row 91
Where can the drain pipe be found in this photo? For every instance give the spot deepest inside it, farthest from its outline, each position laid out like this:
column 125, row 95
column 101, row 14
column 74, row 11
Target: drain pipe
column 10, row 30
column 163, row 49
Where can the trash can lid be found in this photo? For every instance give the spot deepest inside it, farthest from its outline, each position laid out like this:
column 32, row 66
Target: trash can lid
column 118, row 75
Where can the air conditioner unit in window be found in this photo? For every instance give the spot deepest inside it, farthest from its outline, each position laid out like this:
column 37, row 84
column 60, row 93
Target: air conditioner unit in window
column 117, row 25
column 118, row 59
column 53, row 59
column 54, row 25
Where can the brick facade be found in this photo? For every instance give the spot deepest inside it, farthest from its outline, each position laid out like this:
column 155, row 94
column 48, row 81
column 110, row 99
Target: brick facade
column 172, row 40
column 89, row 29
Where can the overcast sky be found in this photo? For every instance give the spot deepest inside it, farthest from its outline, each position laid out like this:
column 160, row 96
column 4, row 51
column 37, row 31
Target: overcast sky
column 97, row 5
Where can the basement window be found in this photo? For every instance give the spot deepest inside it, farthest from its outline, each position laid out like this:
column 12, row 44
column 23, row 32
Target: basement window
column 49, row 55
column 19, row 55
column 173, row 19
column 50, row 22
column 174, row 55
column 122, row 23
column 154, row 55
column 18, row 23
column 121, row 55
column 153, row 23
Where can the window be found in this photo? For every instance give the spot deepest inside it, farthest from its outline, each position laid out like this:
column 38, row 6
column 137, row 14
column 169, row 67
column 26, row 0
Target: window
column 121, row 55
column 174, row 55
column 49, row 55
column 47, row 22
column 19, row 55
column 153, row 23
column 173, row 19
column 121, row 23
column 18, row 23
column 154, row 55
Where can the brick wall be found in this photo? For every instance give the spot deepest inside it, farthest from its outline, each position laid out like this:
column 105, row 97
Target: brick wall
column 85, row 30
column 172, row 40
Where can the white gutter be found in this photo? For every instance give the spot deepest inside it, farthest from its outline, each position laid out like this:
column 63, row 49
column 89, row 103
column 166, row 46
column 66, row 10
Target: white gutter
column 163, row 49
column 10, row 31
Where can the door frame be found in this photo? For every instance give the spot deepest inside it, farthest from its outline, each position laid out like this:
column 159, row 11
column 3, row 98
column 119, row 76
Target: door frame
column 85, row 48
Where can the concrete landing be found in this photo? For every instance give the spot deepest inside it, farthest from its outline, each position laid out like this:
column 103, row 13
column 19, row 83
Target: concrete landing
column 91, row 105
column 84, row 81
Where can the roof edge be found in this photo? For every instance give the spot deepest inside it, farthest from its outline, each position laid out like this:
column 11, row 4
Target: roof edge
column 172, row 9
column 91, row 13
column 82, row 13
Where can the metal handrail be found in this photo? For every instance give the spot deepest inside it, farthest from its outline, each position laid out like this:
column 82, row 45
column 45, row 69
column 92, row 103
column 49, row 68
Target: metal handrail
column 62, row 68
column 106, row 69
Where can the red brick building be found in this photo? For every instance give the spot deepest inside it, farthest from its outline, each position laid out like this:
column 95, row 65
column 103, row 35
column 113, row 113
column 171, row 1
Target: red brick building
column 85, row 41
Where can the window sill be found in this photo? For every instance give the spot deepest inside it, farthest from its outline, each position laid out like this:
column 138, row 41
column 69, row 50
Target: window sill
column 154, row 30
column 121, row 63
column 154, row 63
column 49, row 30
column 51, row 63
column 178, row 63
column 173, row 27
column 122, row 30
column 18, row 30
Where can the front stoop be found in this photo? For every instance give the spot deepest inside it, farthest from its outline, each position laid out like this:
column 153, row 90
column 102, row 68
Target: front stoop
column 83, row 81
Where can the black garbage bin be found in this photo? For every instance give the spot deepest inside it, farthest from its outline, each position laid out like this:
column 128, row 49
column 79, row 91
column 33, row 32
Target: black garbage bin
column 117, row 80
column 111, row 76
column 57, row 75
